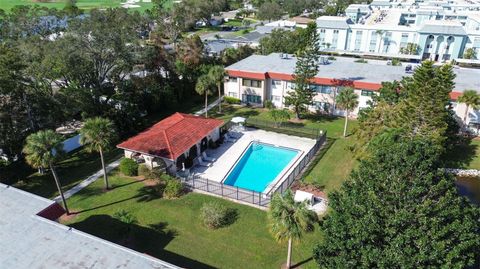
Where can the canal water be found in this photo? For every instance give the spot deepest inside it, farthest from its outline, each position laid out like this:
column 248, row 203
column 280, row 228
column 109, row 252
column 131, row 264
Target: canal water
column 469, row 187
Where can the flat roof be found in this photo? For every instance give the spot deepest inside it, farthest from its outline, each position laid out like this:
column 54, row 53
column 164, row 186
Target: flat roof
column 31, row 241
column 344, row 68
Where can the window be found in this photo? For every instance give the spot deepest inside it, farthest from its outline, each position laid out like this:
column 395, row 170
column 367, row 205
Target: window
column 358, row 40
column 404, row 40
column 373, row 42
column 276, row 98
column 233, row 94
column 276, row 83
column 367, row 93
column 335, row 31
column 252, row 83
column 248, row 98
column 232, row 79
column 321, row 88
column 290, row 85
column 321, row 106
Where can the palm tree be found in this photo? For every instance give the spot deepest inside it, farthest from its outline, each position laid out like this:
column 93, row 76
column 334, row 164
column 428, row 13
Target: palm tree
column 471, row 99
column 217, row 75
column 289, row 220
column 97, row 135
column 347, row 100
column 380, row 33
column 204, row 86
column 44, row 149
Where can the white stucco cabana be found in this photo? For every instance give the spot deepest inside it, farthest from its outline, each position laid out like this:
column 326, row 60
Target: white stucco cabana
column 175, row 142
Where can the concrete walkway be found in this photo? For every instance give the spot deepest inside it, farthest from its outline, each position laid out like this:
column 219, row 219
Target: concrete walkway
column 89, row 180
column 210, row 106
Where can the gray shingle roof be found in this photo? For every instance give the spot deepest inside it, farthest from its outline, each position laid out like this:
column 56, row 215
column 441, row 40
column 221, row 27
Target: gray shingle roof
column 30, row 241
column 346, row 68
column 442, row 27
column 334, row 22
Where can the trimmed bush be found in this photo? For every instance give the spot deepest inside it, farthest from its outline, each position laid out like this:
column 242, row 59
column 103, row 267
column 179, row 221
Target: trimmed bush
column 129, row 167
column 143, row 170
column 215, row 215
column 231, row 100
column 173, row 189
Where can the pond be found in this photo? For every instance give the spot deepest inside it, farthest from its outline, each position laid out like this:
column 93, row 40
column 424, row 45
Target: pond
column 469, row 187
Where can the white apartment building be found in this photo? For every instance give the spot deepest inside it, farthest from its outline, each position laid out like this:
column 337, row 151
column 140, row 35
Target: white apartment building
column 443, row 30
column 269, row 77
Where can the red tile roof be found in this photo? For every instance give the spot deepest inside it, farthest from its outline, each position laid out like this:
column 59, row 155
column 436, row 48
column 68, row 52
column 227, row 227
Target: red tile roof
column 454, row 95
column 172, row 136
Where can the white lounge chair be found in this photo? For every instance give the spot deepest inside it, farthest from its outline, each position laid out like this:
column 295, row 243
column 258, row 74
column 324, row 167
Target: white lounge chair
column 202, row 163
column 206, row 158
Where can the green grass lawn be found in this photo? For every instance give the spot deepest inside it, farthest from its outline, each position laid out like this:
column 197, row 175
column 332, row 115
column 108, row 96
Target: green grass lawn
column 75, row 168
column 82, row 4
column 334, row 164
column 172, row 230
column 466, row 156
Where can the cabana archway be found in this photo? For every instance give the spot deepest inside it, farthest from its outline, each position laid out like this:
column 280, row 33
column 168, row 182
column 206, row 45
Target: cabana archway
column 204, row 144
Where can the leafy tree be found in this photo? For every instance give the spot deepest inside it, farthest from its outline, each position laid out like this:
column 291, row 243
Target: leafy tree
column 289, row 220
column 347, row 99
column 44, row 149
column 399, row 210
column 471, row 99
column 98, row 134
column 233, row 55
column 287, row 41
column 217, row 75
column 270, row 11
column 204, row 86
column 279, row 115
column 305, row 70
column 470, row 53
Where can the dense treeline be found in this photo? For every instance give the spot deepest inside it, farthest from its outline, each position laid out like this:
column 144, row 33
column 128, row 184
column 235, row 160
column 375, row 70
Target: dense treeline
column 59, row 65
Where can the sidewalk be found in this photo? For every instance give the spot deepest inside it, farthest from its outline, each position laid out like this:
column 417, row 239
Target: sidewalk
column 89, row 180
column 210, row 106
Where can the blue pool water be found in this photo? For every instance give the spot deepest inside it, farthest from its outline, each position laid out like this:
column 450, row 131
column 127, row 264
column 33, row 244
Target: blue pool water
column 259, row 165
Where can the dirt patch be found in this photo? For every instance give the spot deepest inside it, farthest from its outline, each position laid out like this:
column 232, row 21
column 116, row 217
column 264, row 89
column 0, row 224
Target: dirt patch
column 317, row 192
column 295, row 120
column 68, row 218
column 150, row 182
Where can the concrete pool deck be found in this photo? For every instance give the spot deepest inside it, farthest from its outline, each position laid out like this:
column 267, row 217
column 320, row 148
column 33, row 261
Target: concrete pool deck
column 228, row 153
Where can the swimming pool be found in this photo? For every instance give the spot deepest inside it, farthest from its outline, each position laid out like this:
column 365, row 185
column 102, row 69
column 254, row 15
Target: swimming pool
column 259, row 165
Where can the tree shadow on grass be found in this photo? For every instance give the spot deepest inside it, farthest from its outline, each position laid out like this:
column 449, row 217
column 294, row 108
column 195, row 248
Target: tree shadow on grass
column 108, row 204
column 150, row 193
column 149, row 240
column 298, row 264
column 320, row 118
column 461, row 154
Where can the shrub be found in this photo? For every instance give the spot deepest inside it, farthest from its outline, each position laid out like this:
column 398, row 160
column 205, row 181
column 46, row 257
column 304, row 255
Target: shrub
column 156, row 173
column 143, row 170
column 173, row 189
column 129, row 167
column 231, row 100
column 332, row 58
column 268, row 104
column 362, row 61
column 396, row 62
column 215, row 215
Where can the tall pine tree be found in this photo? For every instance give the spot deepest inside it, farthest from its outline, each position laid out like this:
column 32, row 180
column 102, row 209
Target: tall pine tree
column 305, row 70
column 425, row 109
